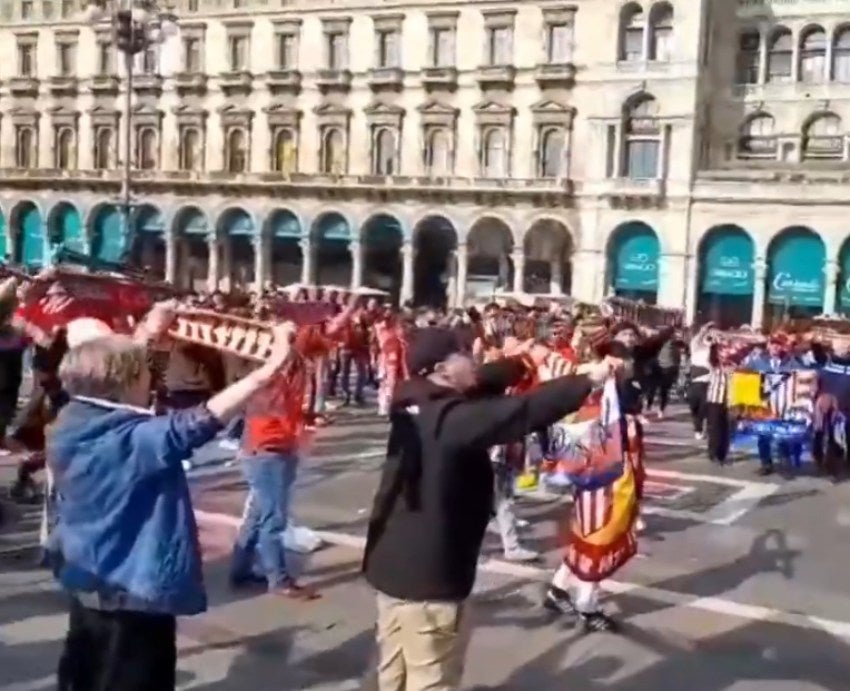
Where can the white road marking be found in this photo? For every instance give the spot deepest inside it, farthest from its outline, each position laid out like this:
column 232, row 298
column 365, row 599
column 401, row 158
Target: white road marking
column 32, row 685
column 715, row 605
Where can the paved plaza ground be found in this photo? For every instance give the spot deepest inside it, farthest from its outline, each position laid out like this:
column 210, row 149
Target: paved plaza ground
column 740, row 585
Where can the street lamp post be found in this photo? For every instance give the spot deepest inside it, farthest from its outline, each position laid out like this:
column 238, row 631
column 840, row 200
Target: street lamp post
column 136, row 26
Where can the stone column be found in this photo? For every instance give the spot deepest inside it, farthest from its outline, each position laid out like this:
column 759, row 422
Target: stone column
column 172, row 249
column 213, row 270
column 518, row 258
column 226, row 281
column 556, row 276
column 407, row 256
column 830, row 293
column 760, row 275
column 691, row 289
column 355, row 247
column 307, row 271
column 461, row 259
column 261, row 262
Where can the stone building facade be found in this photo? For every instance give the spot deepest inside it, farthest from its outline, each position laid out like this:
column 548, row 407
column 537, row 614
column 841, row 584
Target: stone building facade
column 690, row 154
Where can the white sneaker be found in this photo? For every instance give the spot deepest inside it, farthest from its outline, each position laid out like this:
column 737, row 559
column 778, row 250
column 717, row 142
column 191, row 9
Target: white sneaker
column 520, row 555
column 640, row 525
column 187, row 466
column 699, row 436
column 229, row 445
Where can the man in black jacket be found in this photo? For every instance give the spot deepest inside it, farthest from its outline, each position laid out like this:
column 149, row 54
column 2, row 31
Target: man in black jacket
column 435, row 498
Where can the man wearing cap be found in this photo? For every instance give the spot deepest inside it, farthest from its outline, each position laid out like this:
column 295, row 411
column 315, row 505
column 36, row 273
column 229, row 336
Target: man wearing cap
column 435, row 497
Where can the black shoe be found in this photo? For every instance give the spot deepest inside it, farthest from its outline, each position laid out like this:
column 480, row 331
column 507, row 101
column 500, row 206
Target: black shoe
column 252, row 580
column 559, row 602
column 598, row 621
column 765, row 470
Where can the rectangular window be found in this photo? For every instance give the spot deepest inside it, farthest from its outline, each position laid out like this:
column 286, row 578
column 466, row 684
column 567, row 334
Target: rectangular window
column 26, row 9
column 559, row 43
column 642, row 158
column 192, row 5
column 104, row 59
column 442, row 46
column 336, row 50
column 26, row 60
column 633, row 44
column 47, row 9
column 611, row 164
column 66, row 8
column 149, row 61
column 499, row 41
column 238, row 46
column 388, row 48
column 66, row 59
column 287, row 58
column 191, row 55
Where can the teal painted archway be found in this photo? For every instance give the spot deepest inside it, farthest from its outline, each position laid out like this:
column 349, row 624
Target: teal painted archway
column 148, row 250
column 633, row 255
column 284, row 224
column 382, row 237
column 285, row 231
column 331, row 239
column 726, row 258
column 149, row 219
column 107, row 242
column 842, row 293
column 236, row 222
column 4, row 245
column 28, row 229
column 795, row 269
column 66, row 227
column 726, row 277
column 192, row 221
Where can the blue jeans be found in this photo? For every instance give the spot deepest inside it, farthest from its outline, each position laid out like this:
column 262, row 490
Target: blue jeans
column 793, row 451
column 270, row 477
column 360, row 372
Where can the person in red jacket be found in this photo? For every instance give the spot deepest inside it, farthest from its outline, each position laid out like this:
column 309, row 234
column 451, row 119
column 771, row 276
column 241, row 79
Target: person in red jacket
column 275, row 427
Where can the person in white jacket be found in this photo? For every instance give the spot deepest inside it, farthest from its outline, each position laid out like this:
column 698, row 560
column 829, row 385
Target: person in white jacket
column 700, row 368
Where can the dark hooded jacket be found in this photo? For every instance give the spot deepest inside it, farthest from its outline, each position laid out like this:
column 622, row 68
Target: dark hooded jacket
column 435, row 496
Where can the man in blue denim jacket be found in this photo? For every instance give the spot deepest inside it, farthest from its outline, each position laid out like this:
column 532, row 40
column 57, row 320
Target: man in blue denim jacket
column 125, row 545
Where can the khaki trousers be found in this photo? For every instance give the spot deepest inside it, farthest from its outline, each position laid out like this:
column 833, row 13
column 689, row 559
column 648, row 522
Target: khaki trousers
column 421, row 645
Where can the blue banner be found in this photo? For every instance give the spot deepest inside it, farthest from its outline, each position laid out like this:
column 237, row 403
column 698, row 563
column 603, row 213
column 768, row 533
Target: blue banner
column 796, row 275
column 635, row 260
column 727, row 263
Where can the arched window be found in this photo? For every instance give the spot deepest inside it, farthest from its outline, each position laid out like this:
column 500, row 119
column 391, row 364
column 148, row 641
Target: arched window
column 632, row 25
column 190, row 149
column 438, row 152
column 237, row 151
column 551, row 155
column 779, row 58
column 103, row 148
column 813, row 56
column 147, row 149
column 661, row 33
column 25, row 147
column 758, row 139
column 384, row 162
column 495, row 154
column 748, row 59
column 642, row 140
column 841, row 56
column 64, row 149
column 285, row 158
column 823, row 138
column 333, row 152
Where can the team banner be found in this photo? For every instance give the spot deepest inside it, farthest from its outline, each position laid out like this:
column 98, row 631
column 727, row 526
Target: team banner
column 585, row 452
column 775, row 405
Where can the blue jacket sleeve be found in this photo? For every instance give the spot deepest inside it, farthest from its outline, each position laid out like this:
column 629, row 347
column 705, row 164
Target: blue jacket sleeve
column 164, row 441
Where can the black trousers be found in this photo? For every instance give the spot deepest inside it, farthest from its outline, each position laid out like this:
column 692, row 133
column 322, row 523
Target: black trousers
column 118, row 651
column 717, row 431
column 696, row 403
column 659, row 384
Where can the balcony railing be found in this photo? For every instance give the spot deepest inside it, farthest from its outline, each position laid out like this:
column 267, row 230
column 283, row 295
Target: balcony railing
column 269, row 179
